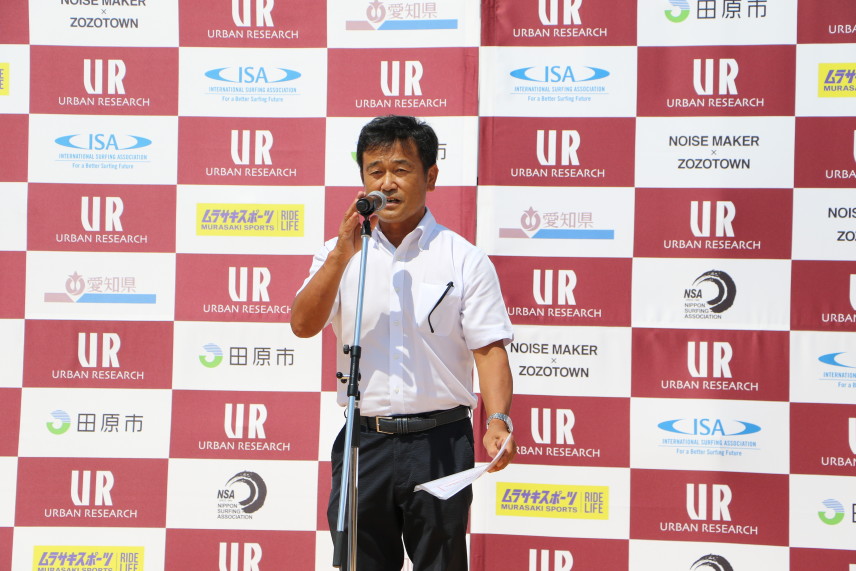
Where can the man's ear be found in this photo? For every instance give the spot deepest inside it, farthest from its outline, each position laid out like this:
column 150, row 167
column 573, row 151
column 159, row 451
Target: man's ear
column 432, row 177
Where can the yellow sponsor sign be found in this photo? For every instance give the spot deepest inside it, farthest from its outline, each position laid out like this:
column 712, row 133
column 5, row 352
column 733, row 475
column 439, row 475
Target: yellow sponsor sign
column 552, row 500
column 836, row 80
column 96, row 558
column 260, row 220
column 4, row 78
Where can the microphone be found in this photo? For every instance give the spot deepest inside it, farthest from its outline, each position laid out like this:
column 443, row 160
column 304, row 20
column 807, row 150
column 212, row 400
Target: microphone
column 371, row 203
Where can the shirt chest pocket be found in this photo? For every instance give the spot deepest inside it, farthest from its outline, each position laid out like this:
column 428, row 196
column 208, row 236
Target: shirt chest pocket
column 438, row 308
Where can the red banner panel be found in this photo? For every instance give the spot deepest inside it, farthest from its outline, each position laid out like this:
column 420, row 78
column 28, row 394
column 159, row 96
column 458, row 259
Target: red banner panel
column 252, row 24
column 104, row 81
column 14, row 29
column 10, row 423
column 565, row 291
column 725, row 81
column 92, row 492
column 823, row 296
column 825, row 152
column 425, row 82
column 827, row 22
column 279, row 152
column 98, row 354
column 714, row 507
column 490, row 551
column 217, row 287
column 570, row 431
column 249, row 550
column 101, row 218
column 12, row 285
column 13, row 147
column 713, row 223
column 557, row 151
column 705, row 364
column 258, row 425
column 823, row 439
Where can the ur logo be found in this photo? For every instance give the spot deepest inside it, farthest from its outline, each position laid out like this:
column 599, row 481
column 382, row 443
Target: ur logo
column 391, row 78
column 720, row 498
column 543, row 434
column 231, row 560
column 726, row 290
column 562, row 560
column 547, row 149
column 835, row 508
column 233, row 422
column 241, row 148
column 93, row 76
column 90, row 213
column 213, row 355
column 238, row 283
column 720, row 357
column 81, row 485
column 256, row 491
column 548, row 11
column 704, row 85
column 701, row 226
column 242, row 13
column 88, row 346
column 566, row 281
column 711, row 562
column 60, row 423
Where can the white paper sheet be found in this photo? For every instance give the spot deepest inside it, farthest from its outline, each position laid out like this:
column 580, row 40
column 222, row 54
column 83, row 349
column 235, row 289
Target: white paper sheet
column 447, row 486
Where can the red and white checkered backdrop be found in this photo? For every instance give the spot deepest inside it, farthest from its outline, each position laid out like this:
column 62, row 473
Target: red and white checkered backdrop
column 666, row 188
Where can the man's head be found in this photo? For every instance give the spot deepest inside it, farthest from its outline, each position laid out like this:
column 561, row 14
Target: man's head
column 383, row 132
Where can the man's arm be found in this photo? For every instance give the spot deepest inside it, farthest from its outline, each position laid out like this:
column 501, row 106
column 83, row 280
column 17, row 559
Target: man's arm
column 313, row 304
column 495, row 384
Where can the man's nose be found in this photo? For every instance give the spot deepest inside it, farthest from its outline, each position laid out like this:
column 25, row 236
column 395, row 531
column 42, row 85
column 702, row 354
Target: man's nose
column 388, row 182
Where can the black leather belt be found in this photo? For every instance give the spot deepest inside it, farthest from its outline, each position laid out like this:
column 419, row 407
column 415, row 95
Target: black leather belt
column 407, row 423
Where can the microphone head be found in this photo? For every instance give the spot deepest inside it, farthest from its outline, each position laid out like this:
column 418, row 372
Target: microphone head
column 371, row 203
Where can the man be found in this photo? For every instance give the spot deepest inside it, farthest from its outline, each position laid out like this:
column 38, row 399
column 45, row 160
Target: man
column 432, row 307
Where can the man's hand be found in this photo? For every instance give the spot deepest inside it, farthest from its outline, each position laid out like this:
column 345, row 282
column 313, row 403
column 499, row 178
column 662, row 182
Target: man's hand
column 496, row 434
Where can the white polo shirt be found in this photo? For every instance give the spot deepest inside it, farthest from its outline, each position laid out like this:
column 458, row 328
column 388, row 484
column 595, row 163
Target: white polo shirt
column 406, row 368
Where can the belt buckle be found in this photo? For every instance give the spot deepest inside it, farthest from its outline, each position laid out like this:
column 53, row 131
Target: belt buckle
column 377, row 424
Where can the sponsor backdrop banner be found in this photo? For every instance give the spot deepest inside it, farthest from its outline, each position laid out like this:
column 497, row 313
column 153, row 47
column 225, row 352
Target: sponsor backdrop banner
column 667, row 189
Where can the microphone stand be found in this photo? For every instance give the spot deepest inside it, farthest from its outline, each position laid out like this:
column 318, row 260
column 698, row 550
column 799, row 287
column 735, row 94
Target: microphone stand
column 350, row 462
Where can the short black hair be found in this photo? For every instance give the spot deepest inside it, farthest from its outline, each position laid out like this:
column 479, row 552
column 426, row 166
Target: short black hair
column 383, row 132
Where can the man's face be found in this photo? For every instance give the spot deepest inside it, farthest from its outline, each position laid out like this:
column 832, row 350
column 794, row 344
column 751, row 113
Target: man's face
column 398, row 173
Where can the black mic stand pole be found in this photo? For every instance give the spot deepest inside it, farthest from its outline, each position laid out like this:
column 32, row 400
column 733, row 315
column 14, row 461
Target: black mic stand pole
column 350, row 461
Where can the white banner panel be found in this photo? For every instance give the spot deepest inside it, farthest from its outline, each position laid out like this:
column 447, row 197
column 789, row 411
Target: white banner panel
column 711, row 435
column 552, row 501
column 456, row 159
column 76, row 285
column 825, row 83
column 711, row 294
column 683, row 555
column 95, row 423
column 215, row 356
column 560, row 222
column 206, row 494
column 692, row 23
column 252, row 82
column 249, row 220
column 385, row 23
column 103, row 149
column 823, row 511
column 31, row 540
column 823, row 367
column 82, row 23
column 824, row 224
column 721, row 152
column 570, row 361
column 558, row 81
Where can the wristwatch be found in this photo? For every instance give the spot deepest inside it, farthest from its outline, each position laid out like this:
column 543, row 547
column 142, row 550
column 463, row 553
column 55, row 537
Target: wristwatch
column 504, row 418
